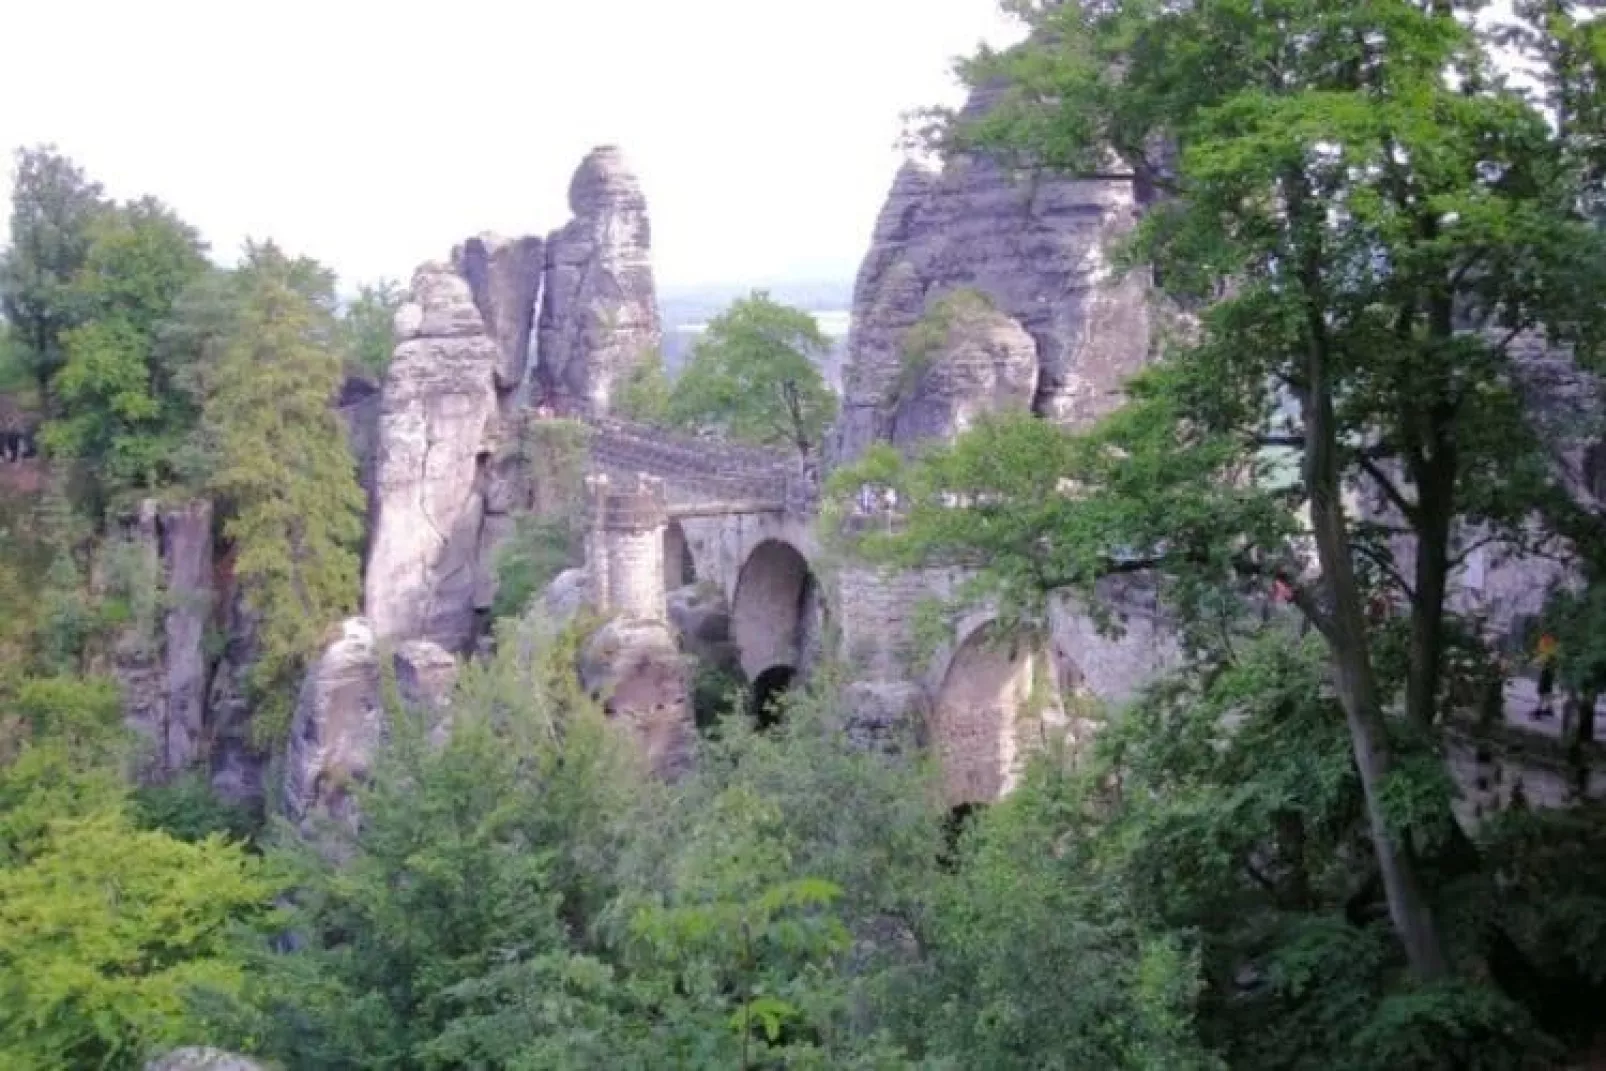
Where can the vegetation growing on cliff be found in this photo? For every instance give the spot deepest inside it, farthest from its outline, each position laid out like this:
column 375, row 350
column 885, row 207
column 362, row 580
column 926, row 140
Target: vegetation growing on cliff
column 293, row 515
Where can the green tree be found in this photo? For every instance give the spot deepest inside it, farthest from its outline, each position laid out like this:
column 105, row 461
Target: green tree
column 109, row 931
column 1395, row 225
column 367, row 327
column 281, row 468
column 644, row 395
column 479, row 860
column 752, row 376
column 120, row 414
column 53, row 206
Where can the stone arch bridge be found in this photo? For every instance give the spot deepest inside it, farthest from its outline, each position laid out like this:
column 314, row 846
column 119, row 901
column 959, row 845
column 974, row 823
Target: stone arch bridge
column 720, row 543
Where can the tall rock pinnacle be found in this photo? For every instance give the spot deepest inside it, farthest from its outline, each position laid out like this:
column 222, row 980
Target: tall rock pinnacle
column 599, row 309
column 1037, row 248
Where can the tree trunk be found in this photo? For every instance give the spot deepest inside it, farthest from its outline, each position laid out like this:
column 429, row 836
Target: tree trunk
column 1435, row 484
column 1345, row 631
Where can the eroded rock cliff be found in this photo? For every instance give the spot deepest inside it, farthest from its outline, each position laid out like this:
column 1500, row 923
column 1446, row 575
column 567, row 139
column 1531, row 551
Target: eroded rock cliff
column 160, row 660
column 1038, row 247
column 599, row 311
column 439, row 409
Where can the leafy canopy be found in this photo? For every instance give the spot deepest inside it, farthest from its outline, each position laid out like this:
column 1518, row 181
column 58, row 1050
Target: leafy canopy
column 1365, row 233
column 753, row 377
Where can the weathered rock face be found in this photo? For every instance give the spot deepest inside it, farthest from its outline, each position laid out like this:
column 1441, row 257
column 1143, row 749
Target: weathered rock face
column 340, row 721
column 563, row 599
column 599, row 311
column 1037, row 246
column 439, row 411
column 968, row 359
column 187, row 569
column 237, row 761
column 338, row 724
column 643, row 681
column 160, row 663
column 702, row 620
column 504, row 275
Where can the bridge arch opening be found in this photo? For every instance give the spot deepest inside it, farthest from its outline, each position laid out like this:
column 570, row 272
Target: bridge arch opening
column 680, row 568
column 986, row 689
column 768, row 694
column 776, row 620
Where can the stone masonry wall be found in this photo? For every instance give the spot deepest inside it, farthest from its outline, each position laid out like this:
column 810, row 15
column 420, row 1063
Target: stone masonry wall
column 627, row 547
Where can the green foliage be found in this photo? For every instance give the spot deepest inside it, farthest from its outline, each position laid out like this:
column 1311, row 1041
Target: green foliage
column 474, row 860
column 924, row 342
column 120, row 414
column 53, row 209
column 108, row 930
column 752, row 377
column 538, row 549
column 282, row 469
column 368, row 334
column 1391, row 219
column 550, row 537
column 188, row 809
column 644, row 395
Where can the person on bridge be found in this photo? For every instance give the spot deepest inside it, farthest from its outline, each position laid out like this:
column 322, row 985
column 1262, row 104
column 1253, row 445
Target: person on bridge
column 1545, row 656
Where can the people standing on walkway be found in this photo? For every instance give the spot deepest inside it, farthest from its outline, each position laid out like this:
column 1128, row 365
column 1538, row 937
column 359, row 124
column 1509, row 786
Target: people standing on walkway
column 1545, row 657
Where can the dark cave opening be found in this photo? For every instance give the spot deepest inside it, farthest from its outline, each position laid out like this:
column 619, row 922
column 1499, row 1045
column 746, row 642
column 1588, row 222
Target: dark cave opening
column 954, row 825
column 767, row 694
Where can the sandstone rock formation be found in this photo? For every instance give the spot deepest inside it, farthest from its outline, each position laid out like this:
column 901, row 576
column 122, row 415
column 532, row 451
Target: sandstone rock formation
column 635, row 669
column 505, row 277
column 338, row 723
column 340, row 720
column 599, row 311
column 160, row 661
column 1038, row 246
column 965, row 358
column 237, row 761
column 702, row 622
column 439, row 408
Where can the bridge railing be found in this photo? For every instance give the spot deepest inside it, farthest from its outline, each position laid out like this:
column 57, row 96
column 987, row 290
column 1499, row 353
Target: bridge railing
column 702, row 474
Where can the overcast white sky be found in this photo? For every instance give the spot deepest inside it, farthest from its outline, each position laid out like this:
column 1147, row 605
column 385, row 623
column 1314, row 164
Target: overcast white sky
column 375, row 135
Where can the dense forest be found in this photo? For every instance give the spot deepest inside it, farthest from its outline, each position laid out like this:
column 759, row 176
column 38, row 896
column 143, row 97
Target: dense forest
column 1357, row 219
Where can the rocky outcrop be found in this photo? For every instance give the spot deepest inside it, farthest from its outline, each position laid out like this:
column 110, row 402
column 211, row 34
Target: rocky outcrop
column 561, row 601
column 1038, row 246
column 701, row 619
column 338, row 723
column 964, row 359
column 635, row 670
column 504, row 275
column 439, row 411
column 163, row 568
column 237, row 759
column 340, row 720
column 599, row 311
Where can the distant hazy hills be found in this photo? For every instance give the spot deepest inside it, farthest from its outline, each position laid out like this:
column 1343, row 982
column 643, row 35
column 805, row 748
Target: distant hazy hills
column 686, row 310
